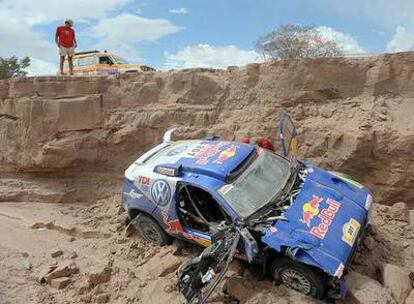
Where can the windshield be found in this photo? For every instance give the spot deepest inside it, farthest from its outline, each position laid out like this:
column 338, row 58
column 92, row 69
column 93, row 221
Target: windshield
column 258, row 184
column 119, row 60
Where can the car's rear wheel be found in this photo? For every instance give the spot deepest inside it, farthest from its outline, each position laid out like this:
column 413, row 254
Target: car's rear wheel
column 149, row 229
column 299, row 277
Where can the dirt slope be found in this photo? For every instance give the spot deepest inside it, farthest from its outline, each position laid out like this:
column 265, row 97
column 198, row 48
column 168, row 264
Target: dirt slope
column 69, row 140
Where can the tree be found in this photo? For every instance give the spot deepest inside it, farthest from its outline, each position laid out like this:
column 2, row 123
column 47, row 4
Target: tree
column 296, row 41
column 13, row 68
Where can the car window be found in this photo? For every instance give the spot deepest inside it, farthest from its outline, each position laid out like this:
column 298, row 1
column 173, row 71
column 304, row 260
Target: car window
column 105, row 60
column 258, row 184
column 119, row 60
column 85, row 61
column 197, row 208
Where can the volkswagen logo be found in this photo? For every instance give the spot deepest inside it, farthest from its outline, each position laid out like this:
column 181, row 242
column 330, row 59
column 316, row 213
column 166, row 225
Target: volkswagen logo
column 161, row 192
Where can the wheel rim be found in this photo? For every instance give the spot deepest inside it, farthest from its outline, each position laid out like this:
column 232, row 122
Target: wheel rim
column 151, row 234
column 296, row 280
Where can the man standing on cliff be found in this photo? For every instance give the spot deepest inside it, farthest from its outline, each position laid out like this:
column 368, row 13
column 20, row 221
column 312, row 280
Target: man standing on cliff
column 66, row 42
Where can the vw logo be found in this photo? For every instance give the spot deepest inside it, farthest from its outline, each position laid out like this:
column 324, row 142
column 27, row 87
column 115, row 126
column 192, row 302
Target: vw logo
column 161, row 192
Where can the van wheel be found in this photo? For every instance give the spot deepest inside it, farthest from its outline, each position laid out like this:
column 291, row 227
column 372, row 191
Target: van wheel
column 299, row 277
column 149, row 229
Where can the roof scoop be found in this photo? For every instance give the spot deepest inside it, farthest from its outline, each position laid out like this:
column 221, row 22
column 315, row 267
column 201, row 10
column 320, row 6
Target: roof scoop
column 167, row 135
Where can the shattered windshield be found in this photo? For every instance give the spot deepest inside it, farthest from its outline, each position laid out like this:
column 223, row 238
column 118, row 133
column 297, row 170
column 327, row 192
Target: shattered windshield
column 258, row 184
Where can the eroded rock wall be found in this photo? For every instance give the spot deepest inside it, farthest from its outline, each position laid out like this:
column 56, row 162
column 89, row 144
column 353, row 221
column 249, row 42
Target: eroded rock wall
column 353, row 115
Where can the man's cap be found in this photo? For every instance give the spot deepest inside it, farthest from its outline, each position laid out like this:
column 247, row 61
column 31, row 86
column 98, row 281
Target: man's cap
column 70, row 21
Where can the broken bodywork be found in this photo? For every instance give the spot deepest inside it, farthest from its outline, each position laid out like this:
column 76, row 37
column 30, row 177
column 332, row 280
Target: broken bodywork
column 301, row 220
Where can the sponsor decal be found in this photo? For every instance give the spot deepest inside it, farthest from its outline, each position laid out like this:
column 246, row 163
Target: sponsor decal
column 271, row 230
column 202, row 153
column 143, row 180
column 166, row 171
column 225, row 189
column 226, row 154
column 177, row 150
column 350, row 231
column 132, row 194
column 327, row 216
column 174, row 227
column 310, row 210
column 339, row 271
column 161, row 192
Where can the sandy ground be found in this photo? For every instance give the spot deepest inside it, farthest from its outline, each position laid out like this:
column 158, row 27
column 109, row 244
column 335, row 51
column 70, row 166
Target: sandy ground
column 139, row 272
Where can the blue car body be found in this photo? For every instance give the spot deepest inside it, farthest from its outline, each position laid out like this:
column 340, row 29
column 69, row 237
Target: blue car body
column 321, row 226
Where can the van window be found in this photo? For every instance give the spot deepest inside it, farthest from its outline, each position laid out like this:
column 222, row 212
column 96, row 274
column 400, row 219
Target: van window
column 119, row 60
column 105, row 60
column 86, row 61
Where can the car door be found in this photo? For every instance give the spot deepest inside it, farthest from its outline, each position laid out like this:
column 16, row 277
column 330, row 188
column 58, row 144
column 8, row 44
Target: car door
column 288, row 137
column 198, row 211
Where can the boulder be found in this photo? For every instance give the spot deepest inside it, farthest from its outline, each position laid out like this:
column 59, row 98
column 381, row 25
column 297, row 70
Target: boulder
column 400, row 211
column 237, row 288
column 363, row 289
column 65, row 270
column 397, row 281
column 99, row 274
column 60, row 283
column 44, row 272
column 82, row 286
column 56, row 253
column 102, row 298
column 410, row 299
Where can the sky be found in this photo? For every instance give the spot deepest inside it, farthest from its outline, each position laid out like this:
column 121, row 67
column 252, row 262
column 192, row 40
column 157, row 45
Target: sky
column 178, row 34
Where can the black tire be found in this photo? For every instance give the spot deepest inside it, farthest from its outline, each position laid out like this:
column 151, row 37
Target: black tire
column 300, row 277
column 150, row 231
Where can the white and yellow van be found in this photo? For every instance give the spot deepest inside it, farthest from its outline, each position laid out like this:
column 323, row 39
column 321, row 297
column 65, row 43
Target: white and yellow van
column 96, row 63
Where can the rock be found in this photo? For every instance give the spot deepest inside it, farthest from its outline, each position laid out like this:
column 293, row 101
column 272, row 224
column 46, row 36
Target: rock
column 44, row 272
column 236, row 268
column 400, row 211
column 410, row 299
column 363, row 289
column 236, row 288
column 82, row 286
column 65, row 270
column 60, row 283
column 168, row 264
column 99, row 274
column 397, row 280
column 169, row 289
column 73, row 255
column 56, row 253
column 72, row 239
column 102, row 298
column 370, row 243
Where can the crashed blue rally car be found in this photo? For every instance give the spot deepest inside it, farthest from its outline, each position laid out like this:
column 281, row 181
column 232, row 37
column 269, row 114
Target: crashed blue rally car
column 303, row 224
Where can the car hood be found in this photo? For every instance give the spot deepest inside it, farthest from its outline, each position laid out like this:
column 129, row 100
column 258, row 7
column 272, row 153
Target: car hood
column 324, row 222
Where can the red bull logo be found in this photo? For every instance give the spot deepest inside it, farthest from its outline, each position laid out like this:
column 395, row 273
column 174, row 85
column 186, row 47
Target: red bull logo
column 327, row 216
column 310, row 210
column 226, row 154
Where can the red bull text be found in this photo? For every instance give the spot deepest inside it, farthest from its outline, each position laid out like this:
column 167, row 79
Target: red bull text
column 327, row 215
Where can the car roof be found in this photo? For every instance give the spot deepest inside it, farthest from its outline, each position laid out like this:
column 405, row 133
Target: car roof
column 210, row 159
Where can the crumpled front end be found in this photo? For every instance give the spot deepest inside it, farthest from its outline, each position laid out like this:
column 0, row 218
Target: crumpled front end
column 325, row 222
